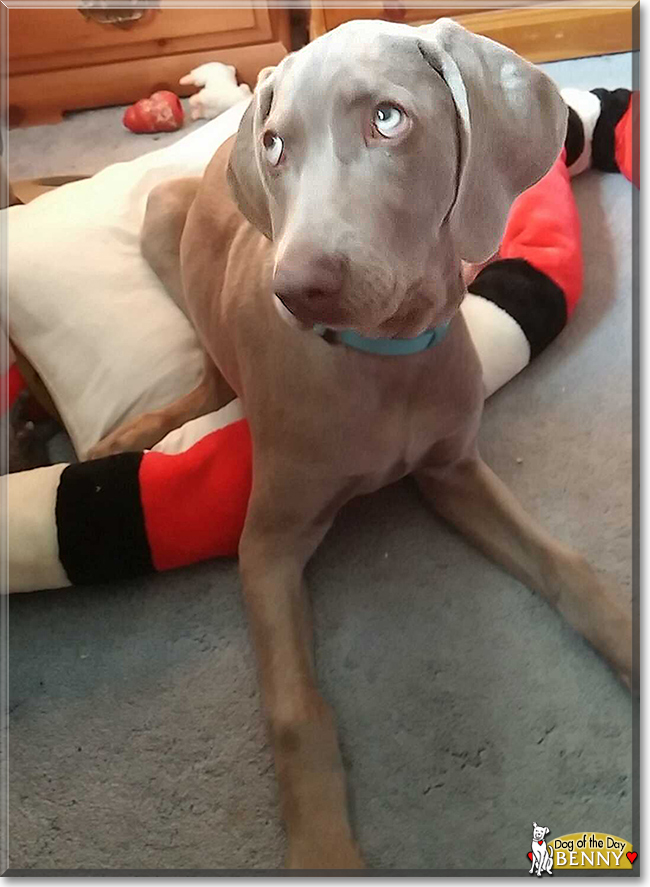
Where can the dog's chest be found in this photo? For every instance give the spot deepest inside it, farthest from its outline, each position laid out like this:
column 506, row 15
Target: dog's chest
column 389, row 444
column 400, row 419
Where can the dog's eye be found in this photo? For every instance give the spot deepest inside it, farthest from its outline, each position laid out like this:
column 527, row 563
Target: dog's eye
column 388, row 120
column 273, row 146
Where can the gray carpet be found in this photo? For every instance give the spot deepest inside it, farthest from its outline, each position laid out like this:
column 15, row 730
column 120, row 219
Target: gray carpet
column 467, row 708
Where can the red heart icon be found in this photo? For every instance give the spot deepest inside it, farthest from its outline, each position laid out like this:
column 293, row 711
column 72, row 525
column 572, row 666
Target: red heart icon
column 540, row 842
column 631, row 855
column 162, row 112
column 530, row 856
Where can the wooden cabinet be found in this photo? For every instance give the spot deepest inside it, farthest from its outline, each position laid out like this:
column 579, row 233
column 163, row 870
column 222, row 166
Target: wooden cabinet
column 547, row 34
column 60, row 60
column 325, row 18
column 539, row 32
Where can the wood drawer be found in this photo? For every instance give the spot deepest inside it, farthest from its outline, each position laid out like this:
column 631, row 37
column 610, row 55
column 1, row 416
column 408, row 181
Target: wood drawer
column 324, row 18
column 59, row 60
column 48, row 39
column 538, row 31
column 332, row 18
column 42, row 97
column 549, row 34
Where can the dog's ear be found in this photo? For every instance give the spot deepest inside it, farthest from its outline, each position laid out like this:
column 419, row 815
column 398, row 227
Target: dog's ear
column 244, row 176
column 546, row 831
column 263, row 74
column 534, row 825
column 511, row 126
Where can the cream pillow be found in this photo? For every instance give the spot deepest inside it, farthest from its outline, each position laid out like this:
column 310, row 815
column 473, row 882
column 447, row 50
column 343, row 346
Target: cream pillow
column 84, row 306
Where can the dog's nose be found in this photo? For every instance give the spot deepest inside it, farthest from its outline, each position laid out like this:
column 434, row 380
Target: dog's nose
column 305, row 276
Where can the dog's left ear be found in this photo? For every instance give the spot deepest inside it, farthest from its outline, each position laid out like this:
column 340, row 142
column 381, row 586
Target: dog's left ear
column 512, row 124
column 546, row 831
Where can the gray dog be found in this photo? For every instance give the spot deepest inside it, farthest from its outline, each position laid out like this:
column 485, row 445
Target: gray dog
column 320, row 261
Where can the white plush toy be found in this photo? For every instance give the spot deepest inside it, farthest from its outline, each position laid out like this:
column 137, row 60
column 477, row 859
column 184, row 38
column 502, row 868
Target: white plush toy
column 220, row 90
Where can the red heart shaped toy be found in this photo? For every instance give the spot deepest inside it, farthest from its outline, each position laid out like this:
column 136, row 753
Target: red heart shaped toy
column 161, row 112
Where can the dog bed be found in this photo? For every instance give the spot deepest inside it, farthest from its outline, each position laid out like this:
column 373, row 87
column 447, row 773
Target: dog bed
column 110, row 344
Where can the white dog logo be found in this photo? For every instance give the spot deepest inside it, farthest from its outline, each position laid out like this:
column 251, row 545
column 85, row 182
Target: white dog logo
column 542, row 856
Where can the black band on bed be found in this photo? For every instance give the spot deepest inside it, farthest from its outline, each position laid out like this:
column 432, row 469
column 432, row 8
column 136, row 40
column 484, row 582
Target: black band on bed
column 529, row 296
column 100, row 523
column 574, row 140
column 614, row 104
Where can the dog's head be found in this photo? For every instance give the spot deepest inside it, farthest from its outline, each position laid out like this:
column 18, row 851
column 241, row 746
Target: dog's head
column 379, row 156
column 539, row 832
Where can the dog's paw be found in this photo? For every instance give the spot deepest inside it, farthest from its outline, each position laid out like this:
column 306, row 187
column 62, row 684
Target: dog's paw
column 107, row 447
column 324, row 854
column 140, row 433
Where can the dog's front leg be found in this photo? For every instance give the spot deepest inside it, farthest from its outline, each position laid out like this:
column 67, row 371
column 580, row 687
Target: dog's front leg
column 274, row 549
column 470, row 496
column 146, row 430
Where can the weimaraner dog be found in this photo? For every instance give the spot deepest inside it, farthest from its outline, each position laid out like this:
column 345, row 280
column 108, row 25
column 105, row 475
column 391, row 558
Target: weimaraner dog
column 367, row 167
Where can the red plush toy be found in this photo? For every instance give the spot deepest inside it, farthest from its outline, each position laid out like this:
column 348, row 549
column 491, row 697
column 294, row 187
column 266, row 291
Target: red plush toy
column 161, row 112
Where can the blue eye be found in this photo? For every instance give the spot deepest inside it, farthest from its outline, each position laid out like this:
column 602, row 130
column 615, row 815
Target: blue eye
column 388, row 119
column 274, row 146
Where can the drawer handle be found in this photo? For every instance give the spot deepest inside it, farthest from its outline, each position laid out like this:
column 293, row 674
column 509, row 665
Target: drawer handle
column 99, row 11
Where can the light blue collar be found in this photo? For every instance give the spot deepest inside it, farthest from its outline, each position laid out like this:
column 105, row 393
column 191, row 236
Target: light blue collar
column 389, row 347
